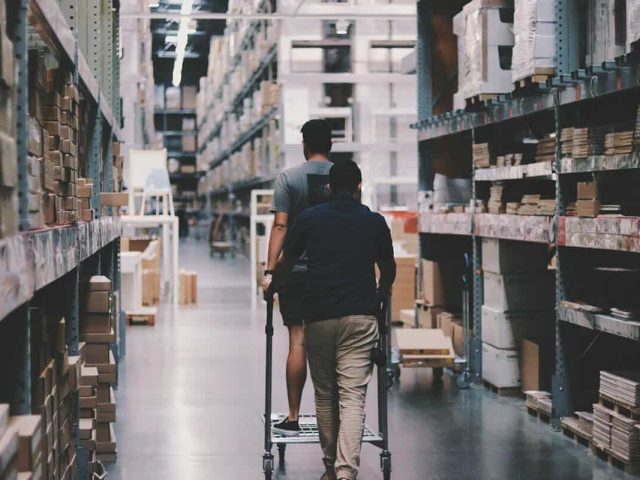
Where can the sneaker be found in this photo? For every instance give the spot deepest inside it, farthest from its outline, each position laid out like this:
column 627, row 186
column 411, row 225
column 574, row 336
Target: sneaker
column 287, row 428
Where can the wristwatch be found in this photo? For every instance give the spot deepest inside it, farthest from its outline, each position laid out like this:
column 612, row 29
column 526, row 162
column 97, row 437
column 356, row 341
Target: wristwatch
column 268, row 272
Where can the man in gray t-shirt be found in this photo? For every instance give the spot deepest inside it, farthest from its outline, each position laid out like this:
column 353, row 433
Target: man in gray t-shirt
column 295, row 190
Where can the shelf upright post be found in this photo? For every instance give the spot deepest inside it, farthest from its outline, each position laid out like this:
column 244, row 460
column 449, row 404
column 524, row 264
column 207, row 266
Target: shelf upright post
column 115, row 57
column 567, row 36
column 21, row 53
column 21, row 401
column 94, row 59
column 72, row 319
column 475, row 360
column 106, row 78
column 561, row 394
column 425, row 110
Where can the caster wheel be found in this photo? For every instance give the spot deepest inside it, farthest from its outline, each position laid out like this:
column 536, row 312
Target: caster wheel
column 282, row 448
column 463, row 380
column 438, row 373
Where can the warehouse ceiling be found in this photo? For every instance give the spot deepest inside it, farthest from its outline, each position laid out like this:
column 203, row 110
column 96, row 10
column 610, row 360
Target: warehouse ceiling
column 165, row 34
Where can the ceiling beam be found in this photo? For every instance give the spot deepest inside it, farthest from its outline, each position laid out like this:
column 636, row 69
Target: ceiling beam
column 170, row 31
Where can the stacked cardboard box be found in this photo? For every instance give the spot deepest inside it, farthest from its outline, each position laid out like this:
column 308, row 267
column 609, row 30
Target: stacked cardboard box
column 481, row 155
column 54, row 122
column 188, row 287
column 518, row 303
column 605, row 32
column 588, row 203
column 8, row 152
column 566, row 142
column 30, row 439
column 618, row 143
column 51, row 394
column 8, row 446
column 404, row 288
column 433, row 297
column 495, row 204
column 99, row 372
column 546, row 149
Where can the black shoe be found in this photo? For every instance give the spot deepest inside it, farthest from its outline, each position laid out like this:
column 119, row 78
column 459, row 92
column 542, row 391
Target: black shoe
column 287, row 428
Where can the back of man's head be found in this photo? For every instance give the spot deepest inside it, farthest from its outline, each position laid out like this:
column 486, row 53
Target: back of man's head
column 345, row 177
column 316, row 135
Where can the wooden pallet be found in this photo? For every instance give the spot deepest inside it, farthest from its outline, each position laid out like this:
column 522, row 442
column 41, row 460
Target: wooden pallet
column 607, row 455
column 621, row 408
column 540, row 415
column 478, row 100
column 141, row 319
column 503, row 391
column 539, row 76
column 569, row 427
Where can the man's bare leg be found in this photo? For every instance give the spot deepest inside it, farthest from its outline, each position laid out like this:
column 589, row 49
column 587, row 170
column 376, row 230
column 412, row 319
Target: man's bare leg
column 296, row 370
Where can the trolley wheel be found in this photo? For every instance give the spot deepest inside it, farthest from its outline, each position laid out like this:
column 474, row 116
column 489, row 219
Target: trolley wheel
column 385, row 465
column 267, row 465
column 267, row 475
column 463, row 380
column 282, row 448
column 438, row 372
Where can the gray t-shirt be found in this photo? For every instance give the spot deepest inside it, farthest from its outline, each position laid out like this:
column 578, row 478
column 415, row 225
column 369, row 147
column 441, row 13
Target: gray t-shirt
column 299, row 188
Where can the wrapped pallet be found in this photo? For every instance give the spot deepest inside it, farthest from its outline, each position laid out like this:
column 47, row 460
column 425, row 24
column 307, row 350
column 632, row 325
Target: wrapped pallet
column 534, row 51
column 633, row 22
column 485, row 40
column 606, row 35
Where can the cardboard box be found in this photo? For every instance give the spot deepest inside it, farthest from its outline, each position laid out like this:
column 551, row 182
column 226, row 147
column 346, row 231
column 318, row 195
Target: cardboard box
column 428, row 317
column 505, row 330
column 95, row 354
column 189, row 143
column 537, row 364
column 189, row 94
column 587, row 191
column 8, row 161
column 507, row 256
column 89, row 376
column 588, row 208
column 96, row 323
column 95, row 337
column 8, row 450
column 432, row 291
column 114, row 199
column 29, row 428
column 99, row 283
column 514, row 292
column 445, row 323
column 500, row 367
column 98, row 301
column 4, row 418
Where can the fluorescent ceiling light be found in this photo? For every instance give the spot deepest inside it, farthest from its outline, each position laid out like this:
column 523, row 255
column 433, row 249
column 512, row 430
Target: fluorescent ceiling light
column 171, row 39
column 181, row 44
column 154, row 4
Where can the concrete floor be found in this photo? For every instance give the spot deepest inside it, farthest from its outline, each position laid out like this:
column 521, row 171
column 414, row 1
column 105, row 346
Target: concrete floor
column 191, row 396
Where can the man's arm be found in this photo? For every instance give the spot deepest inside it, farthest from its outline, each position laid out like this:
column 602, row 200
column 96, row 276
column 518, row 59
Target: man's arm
column 385, row 260
column 296, row 245
column 276, row 239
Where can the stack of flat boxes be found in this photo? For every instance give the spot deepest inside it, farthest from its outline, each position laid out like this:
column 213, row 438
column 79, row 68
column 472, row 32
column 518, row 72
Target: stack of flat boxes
column 519, row 298
column 432, row 295
column 534, row 26
column 8, row 446
column 30, row 439
column 99, row 370
column 54, row 122
column 8, row 152
column 52, row 397
column 403, row 295
column 588, row 203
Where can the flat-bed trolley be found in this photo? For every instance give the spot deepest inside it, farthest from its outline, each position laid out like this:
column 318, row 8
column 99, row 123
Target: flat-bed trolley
column 308, row 424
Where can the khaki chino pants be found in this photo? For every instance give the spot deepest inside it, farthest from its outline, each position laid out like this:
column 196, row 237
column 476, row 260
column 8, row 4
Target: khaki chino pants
column 339, row 354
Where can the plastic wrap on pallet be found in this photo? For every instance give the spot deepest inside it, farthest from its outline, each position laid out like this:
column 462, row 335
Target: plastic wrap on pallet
column 16, row 273
column 481, row 32
column 446, row 223
column 601, row 37
column 534, row 29
column 446, row 190
column 633, row 22
column 607, row 232
column 600, row 163
column 516, row 227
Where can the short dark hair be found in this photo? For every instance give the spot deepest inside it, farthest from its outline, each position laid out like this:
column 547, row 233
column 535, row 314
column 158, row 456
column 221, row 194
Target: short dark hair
column 316, row 135
column 344, row 177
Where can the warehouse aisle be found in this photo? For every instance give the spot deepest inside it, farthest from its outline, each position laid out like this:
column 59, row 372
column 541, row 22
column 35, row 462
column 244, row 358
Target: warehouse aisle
column 191, row 393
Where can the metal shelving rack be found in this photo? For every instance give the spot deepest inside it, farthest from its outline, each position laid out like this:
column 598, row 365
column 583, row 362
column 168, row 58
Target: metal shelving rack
column 561, row 96
column 58, row 257
column 236, row 194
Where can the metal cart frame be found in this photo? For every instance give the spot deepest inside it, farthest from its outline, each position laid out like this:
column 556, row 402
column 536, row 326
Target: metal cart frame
column 309, row 430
